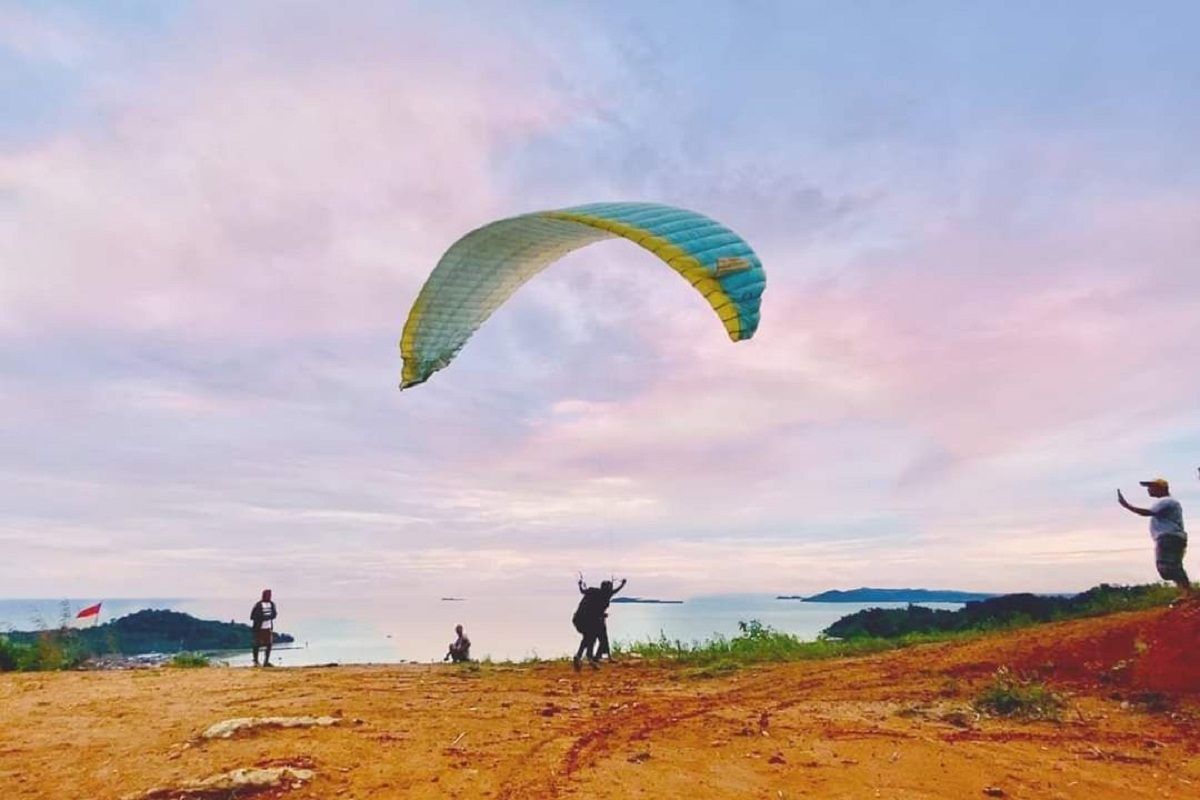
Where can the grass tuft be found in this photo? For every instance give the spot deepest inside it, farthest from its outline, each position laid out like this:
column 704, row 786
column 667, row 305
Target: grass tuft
column 190, row 660
column 1008, row 695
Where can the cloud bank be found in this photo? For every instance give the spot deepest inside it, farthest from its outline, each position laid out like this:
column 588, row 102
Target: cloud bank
column 980, row 318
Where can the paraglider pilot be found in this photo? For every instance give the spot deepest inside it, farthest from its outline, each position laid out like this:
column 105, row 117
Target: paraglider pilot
column 589, row 620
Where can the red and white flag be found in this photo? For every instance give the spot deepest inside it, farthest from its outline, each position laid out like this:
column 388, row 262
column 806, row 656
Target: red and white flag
column 91, row 612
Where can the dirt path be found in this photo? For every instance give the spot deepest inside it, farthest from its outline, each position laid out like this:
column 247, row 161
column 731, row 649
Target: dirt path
column 894, row 726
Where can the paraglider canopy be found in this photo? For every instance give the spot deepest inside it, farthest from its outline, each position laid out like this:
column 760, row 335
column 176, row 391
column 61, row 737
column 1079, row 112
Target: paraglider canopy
column 484, row 268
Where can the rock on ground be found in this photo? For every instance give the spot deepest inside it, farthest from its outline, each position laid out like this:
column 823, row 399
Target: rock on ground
column 230, row 727
column 249, row 778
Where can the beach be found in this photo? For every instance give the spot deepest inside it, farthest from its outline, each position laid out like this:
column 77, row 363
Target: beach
column 896, row 725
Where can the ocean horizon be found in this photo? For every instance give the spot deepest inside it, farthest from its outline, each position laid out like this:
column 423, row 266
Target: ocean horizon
column 418, row 628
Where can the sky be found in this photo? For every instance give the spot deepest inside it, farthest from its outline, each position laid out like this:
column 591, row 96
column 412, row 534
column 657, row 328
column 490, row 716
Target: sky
column 980, row 225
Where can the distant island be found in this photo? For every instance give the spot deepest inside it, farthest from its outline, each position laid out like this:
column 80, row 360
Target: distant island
column 868, row 595
column 155, row 631
column 453, row 599
column 645, row 600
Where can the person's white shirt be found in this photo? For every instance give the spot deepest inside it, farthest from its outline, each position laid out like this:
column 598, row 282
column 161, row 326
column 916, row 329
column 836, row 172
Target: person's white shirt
column 1167, row 519
column 268, row 614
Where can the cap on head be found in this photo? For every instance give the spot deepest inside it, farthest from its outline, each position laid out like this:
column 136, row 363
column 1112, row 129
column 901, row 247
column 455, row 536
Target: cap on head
column 266, row 595
column 1156, row 482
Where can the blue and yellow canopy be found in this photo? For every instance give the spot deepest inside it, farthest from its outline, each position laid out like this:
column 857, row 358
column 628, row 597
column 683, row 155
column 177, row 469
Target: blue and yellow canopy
column 482, row 270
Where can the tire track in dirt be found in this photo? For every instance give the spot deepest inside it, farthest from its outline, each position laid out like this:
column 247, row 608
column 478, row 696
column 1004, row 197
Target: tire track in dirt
column 645, row 719
column 892, row 678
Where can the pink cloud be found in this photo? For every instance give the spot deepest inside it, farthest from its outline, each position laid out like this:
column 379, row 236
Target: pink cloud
column 244, row 184
column 971, row 354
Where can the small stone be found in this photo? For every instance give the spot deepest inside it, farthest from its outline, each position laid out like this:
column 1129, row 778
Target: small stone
column 993, row 791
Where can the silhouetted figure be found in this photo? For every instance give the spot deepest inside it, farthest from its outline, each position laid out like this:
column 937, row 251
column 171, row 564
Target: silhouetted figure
column 460, row 648
column 602, row 648
column 589, row 620
column 1166, row 528
column 262, row 618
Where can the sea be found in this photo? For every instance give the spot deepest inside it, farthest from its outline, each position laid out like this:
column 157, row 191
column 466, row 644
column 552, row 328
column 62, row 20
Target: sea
column 418, row 629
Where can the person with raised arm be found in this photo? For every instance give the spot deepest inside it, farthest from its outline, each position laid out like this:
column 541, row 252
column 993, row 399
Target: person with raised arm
column 589, row 621
column 1167, row 531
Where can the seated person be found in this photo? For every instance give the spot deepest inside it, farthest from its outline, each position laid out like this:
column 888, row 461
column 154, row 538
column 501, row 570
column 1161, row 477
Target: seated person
column 460, row 648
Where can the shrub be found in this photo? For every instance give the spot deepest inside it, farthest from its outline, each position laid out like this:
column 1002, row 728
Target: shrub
column 10, row 655
column 1010, row 696
column 52, row 650
column 190, row 660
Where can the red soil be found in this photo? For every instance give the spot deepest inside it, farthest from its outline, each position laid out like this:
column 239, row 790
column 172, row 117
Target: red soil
column 897, row 725
column 1151, row 651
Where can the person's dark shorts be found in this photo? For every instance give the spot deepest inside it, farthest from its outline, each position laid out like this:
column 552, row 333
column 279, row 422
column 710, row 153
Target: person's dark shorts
column 262, row 637
column 1168, row 557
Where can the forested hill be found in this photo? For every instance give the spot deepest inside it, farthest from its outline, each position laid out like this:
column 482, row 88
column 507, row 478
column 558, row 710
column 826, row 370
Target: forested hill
column 998, row 612
column 157, row 631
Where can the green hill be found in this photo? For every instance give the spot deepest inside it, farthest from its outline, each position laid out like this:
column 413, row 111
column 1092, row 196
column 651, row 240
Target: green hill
column 153, row 631
column 997, row 612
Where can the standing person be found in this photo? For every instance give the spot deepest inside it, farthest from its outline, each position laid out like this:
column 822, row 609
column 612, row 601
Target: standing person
column 1166, row 528
column 460, row 648
column 602, row 648
column 589, row 620
column 262, row 618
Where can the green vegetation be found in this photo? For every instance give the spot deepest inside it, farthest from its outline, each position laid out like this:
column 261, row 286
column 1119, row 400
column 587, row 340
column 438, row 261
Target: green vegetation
column 998, row 613
column 190, row 660
column 48, row 650
column 9, row 655
column 755, row 643
column 1008, row 695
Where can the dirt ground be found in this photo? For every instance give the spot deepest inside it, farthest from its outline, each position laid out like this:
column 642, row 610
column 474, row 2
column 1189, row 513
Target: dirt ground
column 897, row 725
